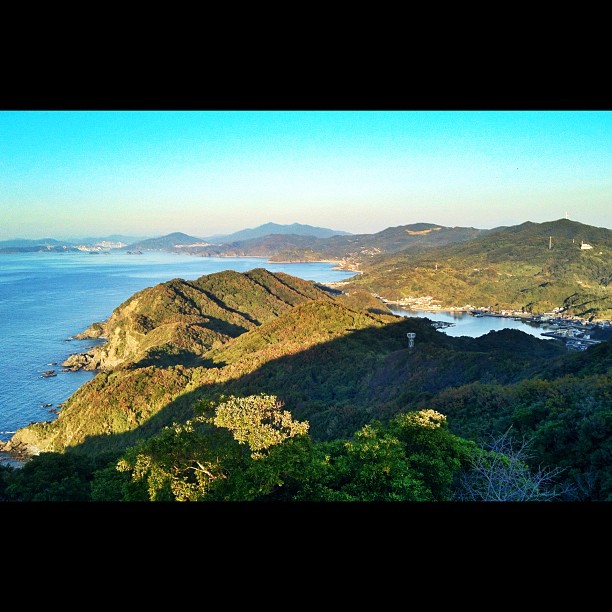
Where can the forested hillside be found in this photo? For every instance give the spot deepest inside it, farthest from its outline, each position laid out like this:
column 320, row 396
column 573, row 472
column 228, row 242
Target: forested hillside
column 297, row 393
column 178, row 321
column 535, row 266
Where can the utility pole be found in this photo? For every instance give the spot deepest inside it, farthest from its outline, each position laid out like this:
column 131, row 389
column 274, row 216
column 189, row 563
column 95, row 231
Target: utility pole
column 550, row 243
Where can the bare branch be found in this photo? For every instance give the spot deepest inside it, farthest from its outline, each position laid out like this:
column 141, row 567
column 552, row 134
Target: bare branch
column 501, row 473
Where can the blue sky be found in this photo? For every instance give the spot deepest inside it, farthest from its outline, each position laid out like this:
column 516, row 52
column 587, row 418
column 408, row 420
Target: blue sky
column 148, row 173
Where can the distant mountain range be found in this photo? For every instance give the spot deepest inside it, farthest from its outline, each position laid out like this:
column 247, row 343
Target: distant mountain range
column 351, row 249
column 267, row 229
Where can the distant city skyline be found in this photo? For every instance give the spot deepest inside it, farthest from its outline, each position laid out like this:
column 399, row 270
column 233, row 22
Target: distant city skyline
column 70, row 174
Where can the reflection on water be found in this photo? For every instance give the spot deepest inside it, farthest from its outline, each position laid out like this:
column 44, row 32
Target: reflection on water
column 465, row 324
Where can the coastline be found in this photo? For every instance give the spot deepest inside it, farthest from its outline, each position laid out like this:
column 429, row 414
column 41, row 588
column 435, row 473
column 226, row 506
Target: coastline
column 15, row 458
column 338, row 263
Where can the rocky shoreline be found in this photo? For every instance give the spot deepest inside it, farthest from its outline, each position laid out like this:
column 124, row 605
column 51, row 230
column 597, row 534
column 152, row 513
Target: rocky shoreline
column 16, row 452
column 87, row 360
column 15, row 455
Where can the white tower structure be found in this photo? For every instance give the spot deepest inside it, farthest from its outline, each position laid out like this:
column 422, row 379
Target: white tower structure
column 411, row 337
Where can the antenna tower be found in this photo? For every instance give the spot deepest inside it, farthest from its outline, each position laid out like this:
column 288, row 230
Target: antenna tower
column 411, row 337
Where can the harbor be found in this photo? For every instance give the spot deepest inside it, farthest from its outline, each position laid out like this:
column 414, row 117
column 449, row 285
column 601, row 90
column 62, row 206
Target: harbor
column 576, row 332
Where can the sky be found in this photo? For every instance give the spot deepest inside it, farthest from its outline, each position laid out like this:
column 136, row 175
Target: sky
column 65, row 174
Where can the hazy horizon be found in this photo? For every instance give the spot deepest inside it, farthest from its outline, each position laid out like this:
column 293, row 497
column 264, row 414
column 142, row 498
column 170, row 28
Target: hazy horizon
column 135, row 238
column 73, row 174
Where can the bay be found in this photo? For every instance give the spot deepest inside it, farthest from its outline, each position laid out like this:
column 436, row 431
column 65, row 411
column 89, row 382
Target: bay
column 464, row 324
column 46, row 298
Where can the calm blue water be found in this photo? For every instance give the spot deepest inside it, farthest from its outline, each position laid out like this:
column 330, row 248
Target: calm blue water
column 45, row 298
column 465, row 324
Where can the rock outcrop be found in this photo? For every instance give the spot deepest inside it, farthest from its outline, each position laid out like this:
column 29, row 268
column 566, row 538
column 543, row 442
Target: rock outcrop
column 79, row 361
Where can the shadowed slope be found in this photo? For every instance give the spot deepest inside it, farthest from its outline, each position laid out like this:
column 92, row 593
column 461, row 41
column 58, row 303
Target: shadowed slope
column 335, row 366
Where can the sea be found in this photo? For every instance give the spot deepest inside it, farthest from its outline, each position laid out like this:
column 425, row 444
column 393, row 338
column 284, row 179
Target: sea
column 47, row 298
